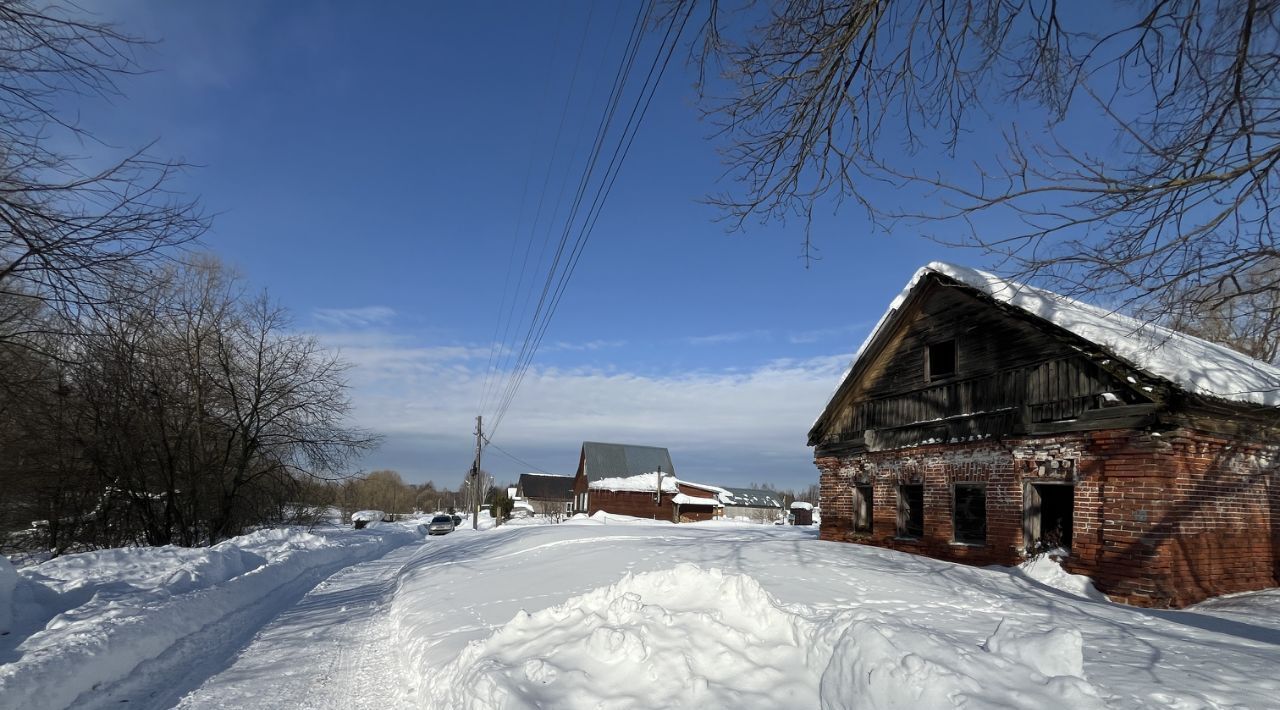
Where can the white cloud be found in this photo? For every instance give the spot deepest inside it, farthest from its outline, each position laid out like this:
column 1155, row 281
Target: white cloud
column 843, row 332
column 733, row 426
column 361, row 317
column 589, row 345
column 731, row 337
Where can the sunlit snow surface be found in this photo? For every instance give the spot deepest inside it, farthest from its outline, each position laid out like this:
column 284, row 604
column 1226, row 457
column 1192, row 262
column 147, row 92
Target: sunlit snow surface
column 614, row 613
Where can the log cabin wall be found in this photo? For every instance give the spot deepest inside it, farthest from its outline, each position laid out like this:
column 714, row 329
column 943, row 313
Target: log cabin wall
column 1010, row 377
column 634, row 503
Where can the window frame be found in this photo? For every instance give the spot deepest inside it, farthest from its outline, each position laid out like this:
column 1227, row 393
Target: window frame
column 930, row 373
column 955, row 529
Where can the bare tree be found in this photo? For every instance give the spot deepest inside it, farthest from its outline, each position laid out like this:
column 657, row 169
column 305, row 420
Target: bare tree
column 70, row 235
column 181, row 414
column 1138, row 142
column 1248, row 321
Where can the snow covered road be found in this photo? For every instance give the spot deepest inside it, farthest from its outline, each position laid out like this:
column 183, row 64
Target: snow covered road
column 614, row 613
column 142, row 625
column 330, row 650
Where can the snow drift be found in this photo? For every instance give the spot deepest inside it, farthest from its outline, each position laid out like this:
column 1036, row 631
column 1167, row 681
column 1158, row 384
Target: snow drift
column 673, row 638
column 690, row 637
column 86, row 621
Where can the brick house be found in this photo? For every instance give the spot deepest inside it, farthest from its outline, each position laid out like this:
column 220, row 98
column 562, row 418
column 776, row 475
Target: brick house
column 984, row 420
column 639, row 481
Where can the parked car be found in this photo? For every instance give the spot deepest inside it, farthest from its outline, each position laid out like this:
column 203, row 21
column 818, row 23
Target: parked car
column 440, row 525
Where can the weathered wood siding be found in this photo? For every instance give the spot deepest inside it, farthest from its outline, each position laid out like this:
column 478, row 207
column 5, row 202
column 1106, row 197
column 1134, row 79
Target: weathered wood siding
column 1010, row 375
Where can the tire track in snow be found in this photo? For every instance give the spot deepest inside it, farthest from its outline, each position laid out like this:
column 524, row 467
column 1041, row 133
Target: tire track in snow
column 330, row 650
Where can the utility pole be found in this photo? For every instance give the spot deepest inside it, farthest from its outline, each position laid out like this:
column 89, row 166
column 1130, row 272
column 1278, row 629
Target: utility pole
column 475, row 477
column 657, row 499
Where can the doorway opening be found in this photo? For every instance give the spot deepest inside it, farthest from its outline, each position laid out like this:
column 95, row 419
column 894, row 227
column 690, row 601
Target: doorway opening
column 1048, row 516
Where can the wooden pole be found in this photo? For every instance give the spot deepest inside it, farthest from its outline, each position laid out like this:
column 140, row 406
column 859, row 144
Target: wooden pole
column 475, row 477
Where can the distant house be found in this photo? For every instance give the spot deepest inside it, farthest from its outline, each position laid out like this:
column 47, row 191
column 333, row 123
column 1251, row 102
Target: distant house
column 983, row 421
column 801, row 513
column 757, row 506
column 624, row 479
column 655, row 496
column 597, row 461
column 546, row 493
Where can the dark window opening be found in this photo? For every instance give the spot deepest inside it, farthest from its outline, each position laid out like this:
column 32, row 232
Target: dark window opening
column 862, row 508
column 969, row 513
column 942, row 360
column 911, row 510
column 1049, row 521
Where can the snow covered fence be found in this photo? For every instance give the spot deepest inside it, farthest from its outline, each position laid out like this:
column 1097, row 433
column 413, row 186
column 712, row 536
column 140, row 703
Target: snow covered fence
column 97, row 617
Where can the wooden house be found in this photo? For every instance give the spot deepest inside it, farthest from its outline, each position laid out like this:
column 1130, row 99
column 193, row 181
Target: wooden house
column 639, row 481
column 657, row 497
column 983, row 421
column 801, row 513
column 597, row 460
column 751, row 504
column 547, row 494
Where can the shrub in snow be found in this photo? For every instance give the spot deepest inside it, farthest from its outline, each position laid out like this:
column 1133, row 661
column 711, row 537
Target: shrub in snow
column 1046, row 570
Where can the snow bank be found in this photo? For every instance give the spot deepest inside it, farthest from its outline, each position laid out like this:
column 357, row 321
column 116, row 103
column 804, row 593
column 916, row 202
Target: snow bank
column 108, row 612
column 690, row 637
column 1049, row 572
column 368, row 516
column 878, row 662
column 681, row 637
column 845, row 625
column 602, row 518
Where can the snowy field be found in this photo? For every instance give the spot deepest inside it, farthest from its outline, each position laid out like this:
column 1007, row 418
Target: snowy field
column 605, row 613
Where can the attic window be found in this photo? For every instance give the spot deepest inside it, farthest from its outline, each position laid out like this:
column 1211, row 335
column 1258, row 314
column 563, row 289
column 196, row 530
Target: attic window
column 942, row 360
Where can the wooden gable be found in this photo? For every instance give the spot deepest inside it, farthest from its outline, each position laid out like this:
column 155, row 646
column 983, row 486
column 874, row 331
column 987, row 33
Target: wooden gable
column 1012, row 373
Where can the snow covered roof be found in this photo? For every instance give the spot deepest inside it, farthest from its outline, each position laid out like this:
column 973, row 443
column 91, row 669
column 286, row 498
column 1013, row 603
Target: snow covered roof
column 751, row 498
column 683, row 499
column 801, row 505
column 645, row 482
column 601, row 460
column 368, row 516
column 1195, row 365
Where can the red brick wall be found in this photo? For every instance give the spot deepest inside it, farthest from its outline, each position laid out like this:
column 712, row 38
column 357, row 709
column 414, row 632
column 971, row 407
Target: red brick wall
column 1159, row 520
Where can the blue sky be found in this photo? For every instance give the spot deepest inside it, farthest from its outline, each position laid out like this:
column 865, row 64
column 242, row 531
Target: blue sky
column 367, row 168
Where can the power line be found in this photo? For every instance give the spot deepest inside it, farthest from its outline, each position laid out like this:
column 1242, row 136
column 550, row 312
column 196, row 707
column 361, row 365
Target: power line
column 515, row 458
column 639, row 109
column 624, row 68
column 494, row 350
